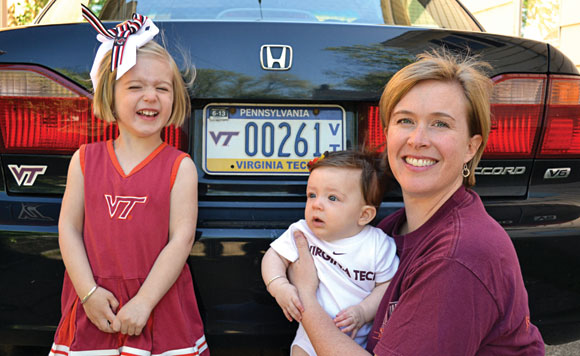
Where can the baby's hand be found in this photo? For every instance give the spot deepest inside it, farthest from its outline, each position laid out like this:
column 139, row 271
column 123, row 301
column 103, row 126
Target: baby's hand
column 350, row 320
column 132, row 317
column 287, row 298
column 100, row 309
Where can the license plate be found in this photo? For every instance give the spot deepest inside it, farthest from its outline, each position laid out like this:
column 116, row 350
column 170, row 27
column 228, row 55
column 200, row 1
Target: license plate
column 248, row 139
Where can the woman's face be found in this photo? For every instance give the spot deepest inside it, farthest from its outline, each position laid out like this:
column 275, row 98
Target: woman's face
column 428, row 139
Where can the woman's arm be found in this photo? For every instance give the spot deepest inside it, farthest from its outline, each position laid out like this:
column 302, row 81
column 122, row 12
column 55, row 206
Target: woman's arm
column 182, row 222
column 101, row 305
column 326, row 338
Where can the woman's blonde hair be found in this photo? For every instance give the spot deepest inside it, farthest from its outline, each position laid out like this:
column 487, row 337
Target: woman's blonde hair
column 104, row 99
column 441, row 65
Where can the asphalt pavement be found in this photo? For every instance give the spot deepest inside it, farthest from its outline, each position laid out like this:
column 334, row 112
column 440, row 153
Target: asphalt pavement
column 570, row 349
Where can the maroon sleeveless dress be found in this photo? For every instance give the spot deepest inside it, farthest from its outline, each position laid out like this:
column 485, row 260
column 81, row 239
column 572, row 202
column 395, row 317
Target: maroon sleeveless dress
column 125, row 228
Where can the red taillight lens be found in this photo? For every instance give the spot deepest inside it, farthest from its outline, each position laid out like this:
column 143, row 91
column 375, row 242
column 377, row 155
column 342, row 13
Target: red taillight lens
column 562, row 135
column 370, row 128
column 41, row 112
column 516, row 108
column 49, row 125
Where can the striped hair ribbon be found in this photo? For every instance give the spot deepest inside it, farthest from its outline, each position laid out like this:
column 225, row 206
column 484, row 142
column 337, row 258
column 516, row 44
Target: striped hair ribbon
column 123, row 41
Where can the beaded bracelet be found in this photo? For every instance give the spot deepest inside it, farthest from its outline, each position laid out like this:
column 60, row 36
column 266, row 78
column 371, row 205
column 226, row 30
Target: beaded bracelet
column 86, row 297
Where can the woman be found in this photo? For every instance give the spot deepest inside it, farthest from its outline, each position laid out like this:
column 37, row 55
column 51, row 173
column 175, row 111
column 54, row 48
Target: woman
column 459, row 289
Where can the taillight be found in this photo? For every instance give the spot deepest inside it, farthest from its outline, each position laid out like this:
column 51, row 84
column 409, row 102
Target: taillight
column 370, row 128
column 41, row 112
column 562, row 128
column 517, row 103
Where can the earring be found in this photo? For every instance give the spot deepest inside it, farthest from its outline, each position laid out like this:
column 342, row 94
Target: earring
column 465, row 173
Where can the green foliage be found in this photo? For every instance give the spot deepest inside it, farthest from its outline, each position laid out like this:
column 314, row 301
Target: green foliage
column 31, row 9
column 96, row 5
column 542, row 15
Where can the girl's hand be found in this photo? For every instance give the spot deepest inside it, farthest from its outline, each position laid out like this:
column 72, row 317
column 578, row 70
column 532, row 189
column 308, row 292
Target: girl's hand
column 350, row 320
column 132, row 317
column 100, row 309
column 287, row 298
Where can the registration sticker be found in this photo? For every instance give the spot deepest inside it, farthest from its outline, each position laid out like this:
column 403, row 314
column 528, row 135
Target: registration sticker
column 243, row 139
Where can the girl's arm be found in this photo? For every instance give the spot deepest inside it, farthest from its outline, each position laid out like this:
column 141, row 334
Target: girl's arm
column 133, row 316
column 274, row 269
column 101, row 305
column 326, row 338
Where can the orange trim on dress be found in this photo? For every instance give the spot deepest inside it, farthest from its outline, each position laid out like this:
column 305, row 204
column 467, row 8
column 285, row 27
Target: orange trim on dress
column 67, row 331
column 82, row 157
column 175, row 168
column 115, row 161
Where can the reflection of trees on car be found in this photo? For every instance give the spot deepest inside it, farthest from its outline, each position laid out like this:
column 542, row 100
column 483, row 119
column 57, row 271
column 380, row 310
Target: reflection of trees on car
column 216, row 83
column 361, row 61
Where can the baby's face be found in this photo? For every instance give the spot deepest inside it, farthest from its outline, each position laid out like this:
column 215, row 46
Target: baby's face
column 334, row 202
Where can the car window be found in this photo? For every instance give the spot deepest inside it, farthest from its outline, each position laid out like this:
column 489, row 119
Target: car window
column 423, row 13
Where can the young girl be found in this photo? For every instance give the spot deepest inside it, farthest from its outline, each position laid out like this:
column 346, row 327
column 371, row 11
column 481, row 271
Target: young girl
column 354, row 261
column 128, row 218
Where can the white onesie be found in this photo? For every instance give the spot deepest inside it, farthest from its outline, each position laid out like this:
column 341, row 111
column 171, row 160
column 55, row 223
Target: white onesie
column 347, row 270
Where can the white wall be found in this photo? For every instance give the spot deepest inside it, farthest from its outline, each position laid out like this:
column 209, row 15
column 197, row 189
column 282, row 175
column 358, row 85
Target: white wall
column 496, row 16
column 503, row 17
column 3, row 13
column 570, row 29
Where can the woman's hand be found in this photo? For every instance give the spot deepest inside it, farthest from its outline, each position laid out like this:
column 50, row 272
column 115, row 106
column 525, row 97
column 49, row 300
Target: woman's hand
column 100, row 309
column 132, row 317
column 302, row 272
column 326, row 338
column 350, row 320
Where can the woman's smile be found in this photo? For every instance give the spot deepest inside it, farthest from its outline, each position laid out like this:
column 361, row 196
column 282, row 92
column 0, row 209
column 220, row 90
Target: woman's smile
column 419, row 162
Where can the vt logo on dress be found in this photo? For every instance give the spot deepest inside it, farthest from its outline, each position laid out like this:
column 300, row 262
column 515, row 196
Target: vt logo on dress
column 128, row 204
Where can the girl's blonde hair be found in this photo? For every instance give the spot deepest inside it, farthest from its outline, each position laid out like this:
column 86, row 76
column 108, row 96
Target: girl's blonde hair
column 468, row 72
column 104, row 99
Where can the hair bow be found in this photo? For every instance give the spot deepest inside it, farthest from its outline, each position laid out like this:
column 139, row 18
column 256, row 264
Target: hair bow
column 316, row 159
column 124, row 40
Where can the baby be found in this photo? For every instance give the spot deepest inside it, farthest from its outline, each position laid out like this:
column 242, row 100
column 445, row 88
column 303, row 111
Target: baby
column 354, row 260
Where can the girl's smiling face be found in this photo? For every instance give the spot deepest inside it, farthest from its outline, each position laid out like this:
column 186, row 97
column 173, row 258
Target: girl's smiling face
column 144, row 97
column 428, row 139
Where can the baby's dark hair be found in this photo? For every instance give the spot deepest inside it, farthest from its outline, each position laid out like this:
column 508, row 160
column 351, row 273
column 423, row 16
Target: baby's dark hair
column 374, row 177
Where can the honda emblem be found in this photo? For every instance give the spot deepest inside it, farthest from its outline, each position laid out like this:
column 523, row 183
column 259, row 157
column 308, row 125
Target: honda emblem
column 276, row 57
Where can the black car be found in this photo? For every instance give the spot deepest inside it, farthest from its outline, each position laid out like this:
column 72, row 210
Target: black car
column 279, row 82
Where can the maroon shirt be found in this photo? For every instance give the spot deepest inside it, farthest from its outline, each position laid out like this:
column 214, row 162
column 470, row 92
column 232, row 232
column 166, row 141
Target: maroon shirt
column 458, row 289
